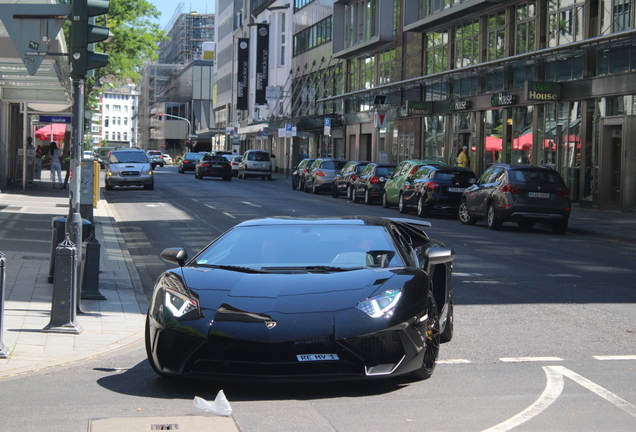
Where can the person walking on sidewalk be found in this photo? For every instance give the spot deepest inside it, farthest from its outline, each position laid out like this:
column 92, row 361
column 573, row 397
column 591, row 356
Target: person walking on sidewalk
column 56, row 163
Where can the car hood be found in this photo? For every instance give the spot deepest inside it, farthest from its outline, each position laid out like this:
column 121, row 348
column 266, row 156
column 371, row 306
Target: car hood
column 304, row 305
column 130, row 166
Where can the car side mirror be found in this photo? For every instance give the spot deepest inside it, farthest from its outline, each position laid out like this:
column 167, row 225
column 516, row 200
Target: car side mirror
column 273, row 155
column 176, row 256
column 435, row 256
column 472, row 181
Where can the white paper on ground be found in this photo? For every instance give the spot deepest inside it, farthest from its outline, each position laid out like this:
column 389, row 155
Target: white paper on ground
column 220, row 405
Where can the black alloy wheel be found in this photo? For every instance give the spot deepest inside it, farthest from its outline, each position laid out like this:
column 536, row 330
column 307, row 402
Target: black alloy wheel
column 431, row 341
column 153, row 365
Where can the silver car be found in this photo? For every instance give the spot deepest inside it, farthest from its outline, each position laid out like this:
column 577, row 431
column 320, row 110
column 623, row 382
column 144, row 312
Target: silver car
column 322, row 173
column 128, row 167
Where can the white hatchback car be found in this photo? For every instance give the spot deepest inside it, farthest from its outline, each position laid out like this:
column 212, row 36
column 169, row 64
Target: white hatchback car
column 256, row 163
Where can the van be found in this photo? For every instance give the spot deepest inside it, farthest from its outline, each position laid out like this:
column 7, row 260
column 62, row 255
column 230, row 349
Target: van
column 256, row 163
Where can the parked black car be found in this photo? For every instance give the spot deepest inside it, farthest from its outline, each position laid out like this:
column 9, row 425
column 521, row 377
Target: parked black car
column 370, row 184
column 517, row 193
column 322, row 173
column 189, row 161
column 298, row 176
column 213, row 166
column 344, row 179
column 305, row 299
column 435, row 188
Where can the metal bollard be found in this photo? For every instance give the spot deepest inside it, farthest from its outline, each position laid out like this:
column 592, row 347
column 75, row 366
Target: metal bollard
column 58, row 232
column 64, row 303
column 3, row 349
column 90, row 269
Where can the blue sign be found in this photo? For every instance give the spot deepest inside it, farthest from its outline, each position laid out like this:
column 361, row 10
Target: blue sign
column 327, row 122
column 54, row 119
column 288, row 127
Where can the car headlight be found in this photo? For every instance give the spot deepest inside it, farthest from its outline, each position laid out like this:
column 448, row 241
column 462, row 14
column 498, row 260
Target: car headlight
column 113, row 172
column 382, row 305
column 179, row 304
column 146, row 171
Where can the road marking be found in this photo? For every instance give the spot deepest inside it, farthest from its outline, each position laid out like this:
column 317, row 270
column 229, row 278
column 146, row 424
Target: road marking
column 467, row 274
column 485, row 282
column 529, row 359
column 208, row 206
column 250, row 204
column 453, row 361
column 553, row 389
column 564, row 275
column 229, row 215
column 615, row 357
column 595, row 388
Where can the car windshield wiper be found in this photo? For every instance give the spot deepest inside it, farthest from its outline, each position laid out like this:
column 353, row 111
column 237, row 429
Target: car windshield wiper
column 232, row 268
column 315, row 268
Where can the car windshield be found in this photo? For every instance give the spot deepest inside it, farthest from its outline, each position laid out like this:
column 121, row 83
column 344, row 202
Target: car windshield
column 302, row 247
column 128, row 157
column 193, row 156
column 154, row 153
column 534, row 176
column 383, row 171
column 333, row 164
column 258, row 156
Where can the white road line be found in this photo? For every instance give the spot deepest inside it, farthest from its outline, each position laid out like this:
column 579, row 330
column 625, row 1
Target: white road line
column 208, row 206
column 564, row 275
column 250, row 204
column 595, row 388
column 466, row 274
column 552, row 391
column 615, row 357
column 229, row 215
column 529, row 359
column 453, row 361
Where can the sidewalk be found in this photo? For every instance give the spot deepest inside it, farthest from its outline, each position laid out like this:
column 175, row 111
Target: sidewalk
column 25, row 241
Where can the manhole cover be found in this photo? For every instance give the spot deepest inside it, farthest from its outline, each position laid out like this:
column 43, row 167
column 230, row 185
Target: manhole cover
column 181, row 424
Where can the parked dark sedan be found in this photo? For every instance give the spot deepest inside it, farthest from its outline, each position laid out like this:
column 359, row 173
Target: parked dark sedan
column 370, row 184
column 322, row 173
column 517, row 193
column 189, row 161
column 344, row 179
column 213, row 166
column 298, row 176
column 305, row 299
column 435, row 188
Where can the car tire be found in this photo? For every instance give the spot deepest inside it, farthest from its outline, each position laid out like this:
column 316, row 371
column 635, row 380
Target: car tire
column 462, row 214
column 334, row 191
column 447, row 334
column 402, row 206
column 153, row 365
column 431, row 341
column 559, row 227
column 494, row 223
column 294, row 185
column 525, row 225
column 385, row 201
column 228, row 178
column 313, row 189
column 306, row 189
column 240, row 175
column 180, row 170
column 269, row 177
column 354, row 196
column 368, row 199
column 350, row 193
column 421, row 208
column 151, row 186
column 108, row 186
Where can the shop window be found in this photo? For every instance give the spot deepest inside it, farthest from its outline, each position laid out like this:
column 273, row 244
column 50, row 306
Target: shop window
column 465, row 86
column 521, row 74
column 494, row 81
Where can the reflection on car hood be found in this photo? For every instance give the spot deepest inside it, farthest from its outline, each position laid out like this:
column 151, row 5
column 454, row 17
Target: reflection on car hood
column 130, row 165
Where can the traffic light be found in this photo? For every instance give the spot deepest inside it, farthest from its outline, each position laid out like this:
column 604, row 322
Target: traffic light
column 160, row 115
column 84, row 34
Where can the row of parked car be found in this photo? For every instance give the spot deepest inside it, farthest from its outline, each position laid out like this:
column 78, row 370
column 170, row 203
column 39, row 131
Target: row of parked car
column 523, row 194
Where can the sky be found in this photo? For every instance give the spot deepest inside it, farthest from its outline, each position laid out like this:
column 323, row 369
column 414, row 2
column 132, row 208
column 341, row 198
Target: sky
column 168, row 8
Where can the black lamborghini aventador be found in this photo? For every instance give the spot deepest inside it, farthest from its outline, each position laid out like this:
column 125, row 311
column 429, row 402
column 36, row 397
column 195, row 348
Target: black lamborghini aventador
column 303, row 299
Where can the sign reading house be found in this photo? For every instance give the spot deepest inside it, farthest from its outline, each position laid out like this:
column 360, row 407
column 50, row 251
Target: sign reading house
column 419, row 108
column 459, row 105
column 542, row 91
column 502, row 99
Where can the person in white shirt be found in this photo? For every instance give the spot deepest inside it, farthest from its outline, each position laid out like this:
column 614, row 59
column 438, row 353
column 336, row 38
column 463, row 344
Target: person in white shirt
column 56, row 163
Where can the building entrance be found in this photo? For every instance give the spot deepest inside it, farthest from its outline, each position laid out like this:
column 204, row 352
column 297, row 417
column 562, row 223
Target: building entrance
column 617, row 181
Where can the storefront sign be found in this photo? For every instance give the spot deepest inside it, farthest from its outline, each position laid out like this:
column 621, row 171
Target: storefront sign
column 543, row 91
column 243, row 75
column 499, row 99
column 262, row 63
column 419, row 108
column 54, row 119
column 459, row 105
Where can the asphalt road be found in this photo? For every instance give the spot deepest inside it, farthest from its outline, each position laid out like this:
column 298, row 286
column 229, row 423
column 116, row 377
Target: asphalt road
column 545, row 331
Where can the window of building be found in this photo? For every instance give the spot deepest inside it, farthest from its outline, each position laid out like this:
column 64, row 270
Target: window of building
column 521, row 74
column 116, row 107
column 107, row 107
column 299, row 4
column 436, row 52
column 314, row 36
column 367, row 72
column 565, row 21
column 282, row 41
column 113, row 135
column 119, row 121
column 465, row 86
column 467, row 44
column 125, row 136
column 94, row 128
column 125, row 121
column 386, row 67
column 496, row 35
column 436, row 91
column 125, row 108
column 361, row 18
column 565, row 69
column 106, row 120
column 354, row 77
column 616, row 60
column 525, row 27
column 494, row 81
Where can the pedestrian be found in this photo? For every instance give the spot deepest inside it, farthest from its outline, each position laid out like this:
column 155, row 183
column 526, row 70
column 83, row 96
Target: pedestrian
column 39, row 151
column 56, row 163
column 463, row 160
column 30, row 145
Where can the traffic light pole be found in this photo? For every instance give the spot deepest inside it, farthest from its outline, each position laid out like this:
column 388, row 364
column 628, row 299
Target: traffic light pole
column 74, row 219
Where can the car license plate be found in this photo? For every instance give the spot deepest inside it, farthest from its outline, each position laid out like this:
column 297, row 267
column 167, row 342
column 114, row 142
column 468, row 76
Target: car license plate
column 538, row 195
column 215, row 166
column 454, row 189
column 317, row 357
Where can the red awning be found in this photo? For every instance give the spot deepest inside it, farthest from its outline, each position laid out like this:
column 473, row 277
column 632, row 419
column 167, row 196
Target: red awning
column 56, row 129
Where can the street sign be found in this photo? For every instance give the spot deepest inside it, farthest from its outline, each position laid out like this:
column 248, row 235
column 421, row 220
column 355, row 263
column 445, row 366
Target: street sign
column 54, row 119
column 380, row 118
column 33, row 28
column 288, row 130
